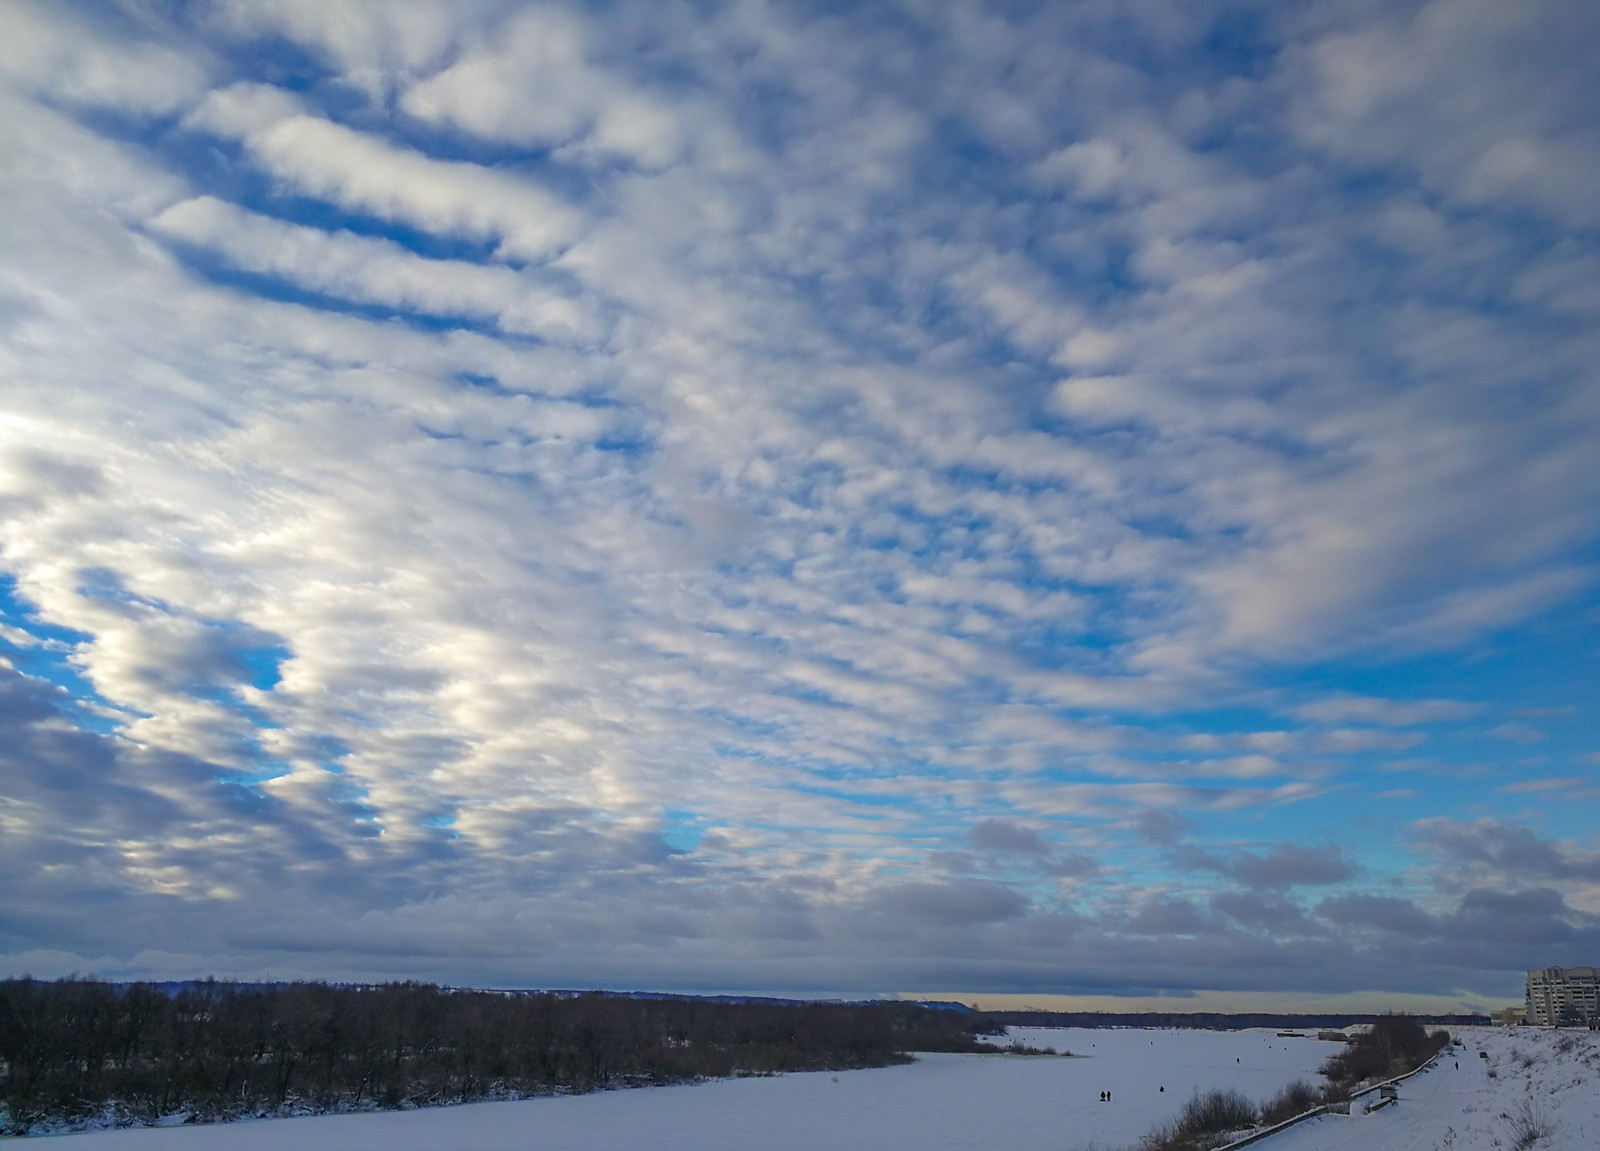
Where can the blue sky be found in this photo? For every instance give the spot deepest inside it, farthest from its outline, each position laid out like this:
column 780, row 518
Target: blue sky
column 1011, row 501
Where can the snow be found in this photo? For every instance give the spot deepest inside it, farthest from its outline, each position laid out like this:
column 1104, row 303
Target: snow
column 1467, row 1109
column 1008, row 1102
column 998, row 1102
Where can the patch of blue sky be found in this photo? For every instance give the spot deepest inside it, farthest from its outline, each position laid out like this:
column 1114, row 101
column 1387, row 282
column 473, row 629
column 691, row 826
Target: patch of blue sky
column 725, row 750
column 631, row 446
column 282, row 64
column 266, row 58
column 1073, row 645
column 443, row 822
column 264, row 770
column 247, row 796
column 754, row 725
column 50, row 659
column 858, row 799
column 223, row 168
column 19, row 613
column 592, row 397
column 1547, row 662
column 241, row 654
column 810, row 695
column 356, row 803
column 263, row 664
column 267, row 198
column 946, row 533
column 682, row 829
column 1238, row 43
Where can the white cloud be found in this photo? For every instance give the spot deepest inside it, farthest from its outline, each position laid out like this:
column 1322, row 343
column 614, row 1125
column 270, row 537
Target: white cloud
column 376, row 271
column 74, row 62
column 1343, row 707
column 1476, row 99
column 358, row 171
column 375, row 44
column 533, row 84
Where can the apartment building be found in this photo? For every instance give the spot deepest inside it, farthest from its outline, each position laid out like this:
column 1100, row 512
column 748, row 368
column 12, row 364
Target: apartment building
column 1564, row 995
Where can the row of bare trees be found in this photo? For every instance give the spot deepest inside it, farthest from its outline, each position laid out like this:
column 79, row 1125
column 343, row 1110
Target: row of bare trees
column 78, row 1048
column 1393, row 1045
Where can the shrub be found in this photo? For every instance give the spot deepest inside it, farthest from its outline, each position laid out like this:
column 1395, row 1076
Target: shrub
column 1295, row 1099
column 1527, row 1126
column 1216, row 1112
column 1204, row 1118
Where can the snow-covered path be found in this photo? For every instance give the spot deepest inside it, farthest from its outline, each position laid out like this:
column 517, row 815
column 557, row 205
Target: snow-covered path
column 966, row 1102
column 1476, row 1106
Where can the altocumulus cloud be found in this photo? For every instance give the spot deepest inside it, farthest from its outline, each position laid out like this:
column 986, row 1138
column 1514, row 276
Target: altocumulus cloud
column 1036, row 498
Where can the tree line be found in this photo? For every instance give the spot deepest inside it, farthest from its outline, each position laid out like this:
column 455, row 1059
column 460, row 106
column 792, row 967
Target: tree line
column 1393, row 1045
column 76, row 1049
column 1212, row 1020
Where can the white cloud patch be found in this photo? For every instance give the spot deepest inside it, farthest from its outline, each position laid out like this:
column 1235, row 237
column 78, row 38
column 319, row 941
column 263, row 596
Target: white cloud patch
column 75, row 62
column 533, row 84
column 1344, row 707
column 357, row 171
column 375, row 271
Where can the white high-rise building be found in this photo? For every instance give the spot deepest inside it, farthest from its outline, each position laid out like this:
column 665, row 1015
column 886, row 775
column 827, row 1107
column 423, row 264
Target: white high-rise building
column 1558, row 995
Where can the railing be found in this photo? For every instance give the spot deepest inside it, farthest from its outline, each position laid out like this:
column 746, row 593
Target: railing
column 1265, row 1132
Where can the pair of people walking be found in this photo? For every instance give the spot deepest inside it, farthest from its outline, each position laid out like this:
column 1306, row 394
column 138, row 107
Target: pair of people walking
column 1105, row 1097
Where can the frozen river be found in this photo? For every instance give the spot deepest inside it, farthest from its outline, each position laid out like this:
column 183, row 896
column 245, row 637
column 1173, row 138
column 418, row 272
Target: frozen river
column 1016, row 1103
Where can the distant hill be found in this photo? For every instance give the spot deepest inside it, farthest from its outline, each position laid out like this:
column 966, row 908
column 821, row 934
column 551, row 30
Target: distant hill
column 174, row 987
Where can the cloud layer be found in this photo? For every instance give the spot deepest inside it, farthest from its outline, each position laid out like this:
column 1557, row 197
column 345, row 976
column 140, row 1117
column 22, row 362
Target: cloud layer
column 1071, row 498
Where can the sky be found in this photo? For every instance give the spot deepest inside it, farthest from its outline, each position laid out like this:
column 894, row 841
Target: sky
column 1090, row 502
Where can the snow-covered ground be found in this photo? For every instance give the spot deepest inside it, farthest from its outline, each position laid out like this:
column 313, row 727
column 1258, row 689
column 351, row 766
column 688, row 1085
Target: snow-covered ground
column 993, row 1102
column 1465, row 1103
column 1001, row 1102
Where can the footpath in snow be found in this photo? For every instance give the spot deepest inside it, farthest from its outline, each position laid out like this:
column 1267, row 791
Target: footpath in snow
column 1532, row 1080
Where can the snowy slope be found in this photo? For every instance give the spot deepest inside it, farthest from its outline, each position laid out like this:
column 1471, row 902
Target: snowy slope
column 1474, row 1104
column 1007, row 1103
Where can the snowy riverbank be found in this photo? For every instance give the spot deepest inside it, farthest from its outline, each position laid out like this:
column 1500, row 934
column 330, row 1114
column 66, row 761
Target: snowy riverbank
column 1532, row 1080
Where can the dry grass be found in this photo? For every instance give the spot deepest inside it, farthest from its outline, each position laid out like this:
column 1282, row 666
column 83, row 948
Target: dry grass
column 1527, row 1125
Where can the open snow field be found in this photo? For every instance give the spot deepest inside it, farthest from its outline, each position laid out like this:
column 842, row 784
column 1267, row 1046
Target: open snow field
column 998, row 1102
column 1446, row 1109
